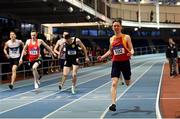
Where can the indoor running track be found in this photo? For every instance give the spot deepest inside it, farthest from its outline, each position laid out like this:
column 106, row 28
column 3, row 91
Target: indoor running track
column 139, row 100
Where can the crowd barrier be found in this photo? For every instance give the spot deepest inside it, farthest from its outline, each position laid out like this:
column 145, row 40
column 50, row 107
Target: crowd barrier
column 46, row 67
column 52, row 65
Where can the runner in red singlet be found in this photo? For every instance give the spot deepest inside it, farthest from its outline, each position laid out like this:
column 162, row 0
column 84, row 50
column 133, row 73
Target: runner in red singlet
column 32, row 47
column 121, row 49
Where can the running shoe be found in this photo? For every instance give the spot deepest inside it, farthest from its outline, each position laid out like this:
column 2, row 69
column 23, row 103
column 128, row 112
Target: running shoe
column 73, row 90
column 36, row 86
column 40, row 77
column 112, row 107
column 60, row 87
column 11, row 86
column 121, row 82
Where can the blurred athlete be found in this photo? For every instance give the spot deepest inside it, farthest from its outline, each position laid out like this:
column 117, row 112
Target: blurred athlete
column 61, row 55
column 13, row 54
column 121, row 49
column 32, row 47
column 71, row 58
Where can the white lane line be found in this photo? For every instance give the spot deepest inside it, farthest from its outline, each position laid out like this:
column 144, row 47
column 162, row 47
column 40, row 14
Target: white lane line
column 49, row 95
column 42, row 87
column 86, row 94
column 47, row 85
column 107, row 109
column 74, row 100
column 158, row 113
column 170, row 98
column 44, row 79
column 60, row 97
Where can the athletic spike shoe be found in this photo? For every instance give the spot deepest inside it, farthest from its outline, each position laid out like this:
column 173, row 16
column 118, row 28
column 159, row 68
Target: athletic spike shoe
column 11, row 86
column 36, row 86
column 60, row 87
column 73, row 90
column 40, row 77
column 112, row 107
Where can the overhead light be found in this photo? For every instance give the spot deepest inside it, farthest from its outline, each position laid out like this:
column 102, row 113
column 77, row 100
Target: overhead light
column 60, row 0
column 178, row 3
column 44, row 0
column 88, row 17
column 70, row 9
column 135, row 29
column 54, row 8
column 160, row 3
column 174, row 30
column 146, row 1
column 126, row 0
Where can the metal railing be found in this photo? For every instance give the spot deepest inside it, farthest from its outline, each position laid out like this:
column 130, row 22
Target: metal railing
column 24, row 71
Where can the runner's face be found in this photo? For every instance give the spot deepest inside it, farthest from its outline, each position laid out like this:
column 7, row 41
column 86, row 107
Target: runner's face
column 12, row 35
column 117, row 27
column 33, row 35
column 171, row 41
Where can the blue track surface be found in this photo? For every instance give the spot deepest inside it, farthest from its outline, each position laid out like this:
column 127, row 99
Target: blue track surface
column 93, row 94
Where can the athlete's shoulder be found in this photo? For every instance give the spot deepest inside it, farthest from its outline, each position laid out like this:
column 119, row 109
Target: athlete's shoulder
column 40, row 40
column 61, row 41
column 111, row 38
column 127, row 36
column 19, row 41
column 77, row 39
column 28, row 41
column 7, row 42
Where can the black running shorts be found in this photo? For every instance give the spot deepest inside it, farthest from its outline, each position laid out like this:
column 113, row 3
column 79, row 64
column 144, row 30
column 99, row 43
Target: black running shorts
column 119, row 67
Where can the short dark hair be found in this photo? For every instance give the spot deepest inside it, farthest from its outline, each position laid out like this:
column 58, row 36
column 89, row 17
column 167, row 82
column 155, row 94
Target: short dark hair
column 12, row 32
column 33, row 30
column 117, row 20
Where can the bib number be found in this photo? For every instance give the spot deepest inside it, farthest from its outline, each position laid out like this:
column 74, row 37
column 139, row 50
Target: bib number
column 71, row 52
column 118, row 51
column 14, row 50
column 33, row 52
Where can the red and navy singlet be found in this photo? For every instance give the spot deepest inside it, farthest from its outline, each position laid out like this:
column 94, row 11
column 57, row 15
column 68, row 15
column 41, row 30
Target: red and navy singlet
column 33, row 51
column 119, row 48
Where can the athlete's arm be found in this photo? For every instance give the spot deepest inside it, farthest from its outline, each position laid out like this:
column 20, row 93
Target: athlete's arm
column 24, row 51
column 56, row 47
column 107, row 53
column 47, row 47
column 21, row 43
column 78, row 41
column 61, row 48
column 5, row 50
column 130, row 46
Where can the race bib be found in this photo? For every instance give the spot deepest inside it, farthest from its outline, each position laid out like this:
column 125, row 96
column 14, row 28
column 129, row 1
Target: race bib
column 71, row 52
column 33, row 52
column 14, row 50
column 118, row 50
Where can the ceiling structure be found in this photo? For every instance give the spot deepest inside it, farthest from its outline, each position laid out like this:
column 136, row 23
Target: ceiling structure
column 56, row 11
column 163, row 2
column 45, row 11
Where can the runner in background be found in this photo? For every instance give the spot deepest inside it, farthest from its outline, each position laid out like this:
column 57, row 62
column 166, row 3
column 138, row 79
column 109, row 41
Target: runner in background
column 71, row 45
column 32, row 46
column 13, row 54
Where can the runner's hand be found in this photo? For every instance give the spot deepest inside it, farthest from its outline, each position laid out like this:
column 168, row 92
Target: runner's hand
column 20, row 62
column 99, row 58
column 7, row 56
column 87, row 59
